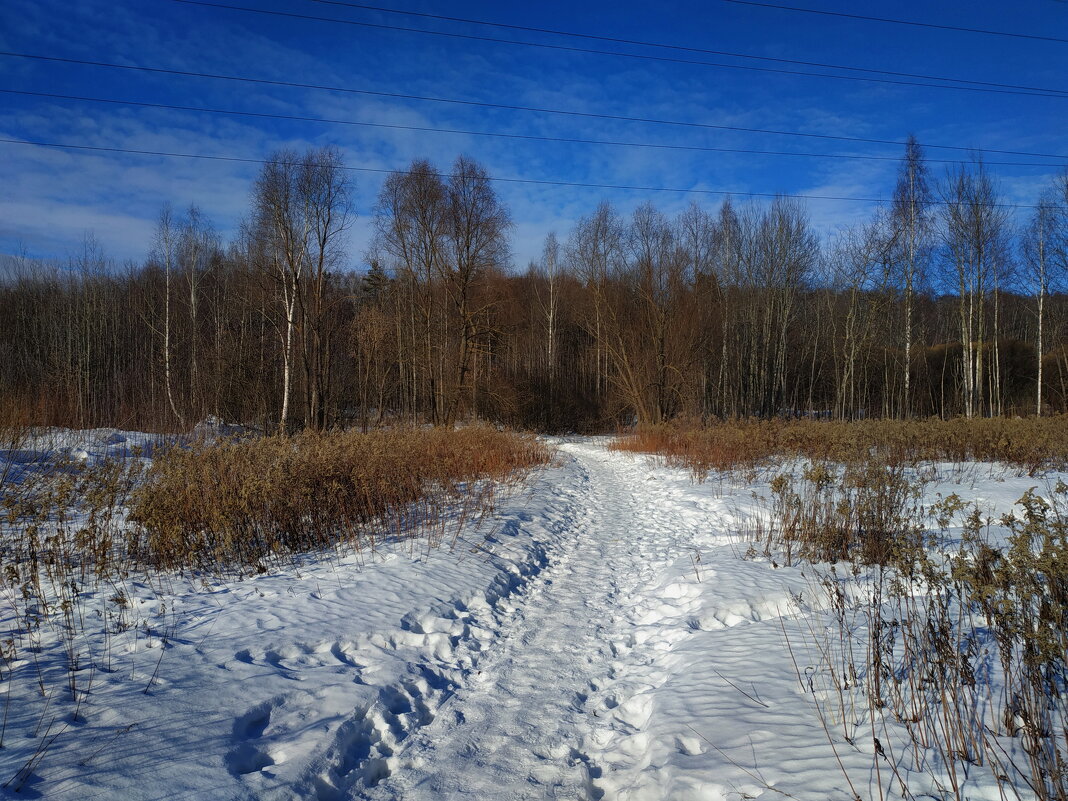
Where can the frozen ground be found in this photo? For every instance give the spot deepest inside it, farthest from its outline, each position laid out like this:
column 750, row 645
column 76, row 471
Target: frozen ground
column 605, row 640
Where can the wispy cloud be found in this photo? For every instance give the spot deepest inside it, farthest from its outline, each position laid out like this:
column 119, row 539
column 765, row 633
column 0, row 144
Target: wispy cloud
column 53, row 197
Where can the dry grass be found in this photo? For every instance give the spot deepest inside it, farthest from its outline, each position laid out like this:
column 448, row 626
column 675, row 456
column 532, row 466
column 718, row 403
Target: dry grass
column 245, row 503
column 1030, row 444
column 868, row 513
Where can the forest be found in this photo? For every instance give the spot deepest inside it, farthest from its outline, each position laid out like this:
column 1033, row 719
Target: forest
column 950, row 301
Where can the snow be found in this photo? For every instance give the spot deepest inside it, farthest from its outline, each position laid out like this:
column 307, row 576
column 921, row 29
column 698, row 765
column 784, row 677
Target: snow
column 604, row 639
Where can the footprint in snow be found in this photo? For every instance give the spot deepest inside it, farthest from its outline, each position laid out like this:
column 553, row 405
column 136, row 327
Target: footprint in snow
column 248, row 754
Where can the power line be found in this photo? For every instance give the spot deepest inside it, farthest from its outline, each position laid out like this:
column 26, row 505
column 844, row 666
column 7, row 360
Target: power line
column 901, row 21
column 533, row 181
column 667, row 46
column 1025, row 91
column 497, row 134
column 508, row 107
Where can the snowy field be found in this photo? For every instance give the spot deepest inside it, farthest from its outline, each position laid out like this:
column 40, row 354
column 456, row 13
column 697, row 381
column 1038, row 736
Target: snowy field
column 605, row 638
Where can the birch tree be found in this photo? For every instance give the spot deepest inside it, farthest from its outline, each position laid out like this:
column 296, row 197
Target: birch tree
column 973, row 230
column 1044, row 242
column 302, row 207
column 550, row 264
column 911, row 227
column 166, row 247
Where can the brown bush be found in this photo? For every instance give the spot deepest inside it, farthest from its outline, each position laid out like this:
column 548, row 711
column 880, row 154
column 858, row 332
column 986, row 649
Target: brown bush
column 1030, row 444
column 242, row 503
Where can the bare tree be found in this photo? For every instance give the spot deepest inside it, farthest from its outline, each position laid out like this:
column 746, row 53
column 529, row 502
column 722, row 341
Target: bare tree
column 303, row 207
column 1037, row 251
column 166, row 247
column 325, row 193
column 595, row 250
column 411, row 228
column 698, row 236
column 197, row 243
column 911, row 226
column 777, row 253
column 550, row 263
column 856, row 266
column 661, row 272
column 1044, row 250
column 477, row 230
column 727, row 262
column 973, row 233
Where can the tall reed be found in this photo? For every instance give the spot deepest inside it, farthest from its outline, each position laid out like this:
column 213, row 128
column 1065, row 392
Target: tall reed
column 1029, row 444
column 248, row 503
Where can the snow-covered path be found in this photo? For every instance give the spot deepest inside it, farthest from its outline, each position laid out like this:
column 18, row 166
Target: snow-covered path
column 607, row 639
column 530, row 718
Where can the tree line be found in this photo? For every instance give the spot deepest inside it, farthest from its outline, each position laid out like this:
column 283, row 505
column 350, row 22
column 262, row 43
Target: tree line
column 940, row 304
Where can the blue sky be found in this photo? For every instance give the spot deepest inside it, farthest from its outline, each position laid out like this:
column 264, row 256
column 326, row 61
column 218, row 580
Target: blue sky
column 51, row 198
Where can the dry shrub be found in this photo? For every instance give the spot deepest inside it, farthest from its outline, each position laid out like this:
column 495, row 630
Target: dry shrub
column 1030, row 444
column 868, row 513
column 945, row 647
column 242, row 503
